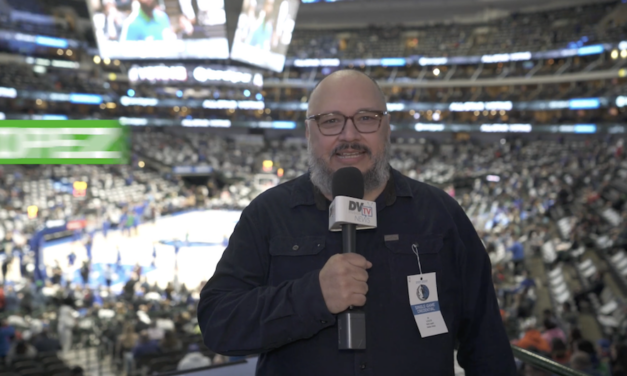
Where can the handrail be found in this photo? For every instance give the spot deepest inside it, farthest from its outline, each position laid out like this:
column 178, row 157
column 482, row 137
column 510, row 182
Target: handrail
column 543, row 363
column 526, row 356
column 208, row 368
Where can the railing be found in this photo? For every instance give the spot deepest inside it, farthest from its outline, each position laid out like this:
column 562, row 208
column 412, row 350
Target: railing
column 245, row 366
column 544, row 364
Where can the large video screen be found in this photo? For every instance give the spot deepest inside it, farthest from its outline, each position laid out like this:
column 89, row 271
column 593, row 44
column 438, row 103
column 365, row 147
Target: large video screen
column 152, row 29
column 264, row 32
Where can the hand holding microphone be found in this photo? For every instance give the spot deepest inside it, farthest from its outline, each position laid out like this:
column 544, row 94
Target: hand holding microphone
column 343, row 281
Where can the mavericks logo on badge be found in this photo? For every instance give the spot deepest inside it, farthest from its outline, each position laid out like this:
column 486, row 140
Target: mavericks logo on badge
column 422, row 292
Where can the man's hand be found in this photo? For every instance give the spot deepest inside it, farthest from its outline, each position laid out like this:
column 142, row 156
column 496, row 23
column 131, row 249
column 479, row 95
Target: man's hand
column 343, row 281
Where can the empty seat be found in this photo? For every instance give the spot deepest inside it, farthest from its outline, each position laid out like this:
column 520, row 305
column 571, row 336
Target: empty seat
column 587, row 268
column 608, row 308
column 548, row 252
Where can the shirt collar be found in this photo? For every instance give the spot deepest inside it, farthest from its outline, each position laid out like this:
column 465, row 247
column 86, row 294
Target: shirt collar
column 145, row 16
column 305, row 193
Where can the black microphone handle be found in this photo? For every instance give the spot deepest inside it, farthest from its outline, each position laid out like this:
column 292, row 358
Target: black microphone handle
column 352, row 322
column 349, row 238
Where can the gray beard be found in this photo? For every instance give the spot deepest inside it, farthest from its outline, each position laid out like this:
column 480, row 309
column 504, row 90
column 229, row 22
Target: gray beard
column 322, row 177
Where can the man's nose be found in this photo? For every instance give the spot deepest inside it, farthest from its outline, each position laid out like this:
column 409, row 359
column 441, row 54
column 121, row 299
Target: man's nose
column 350, row 132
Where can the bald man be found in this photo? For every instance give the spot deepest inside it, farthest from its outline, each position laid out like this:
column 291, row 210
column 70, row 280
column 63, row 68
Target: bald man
column 282, row 280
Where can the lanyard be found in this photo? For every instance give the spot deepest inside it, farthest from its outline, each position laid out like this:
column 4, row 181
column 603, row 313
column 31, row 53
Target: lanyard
column 414, row 248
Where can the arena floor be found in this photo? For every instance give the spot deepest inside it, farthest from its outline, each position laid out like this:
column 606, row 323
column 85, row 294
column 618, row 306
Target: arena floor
column 200, row 235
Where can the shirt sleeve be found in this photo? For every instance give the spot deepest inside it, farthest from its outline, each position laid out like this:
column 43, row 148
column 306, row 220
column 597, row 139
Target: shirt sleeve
column 239, row 314
column 484, row 348
column 129, row 33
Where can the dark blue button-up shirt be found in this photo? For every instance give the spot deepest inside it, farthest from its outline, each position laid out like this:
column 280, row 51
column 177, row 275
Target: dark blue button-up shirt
column 265, row 295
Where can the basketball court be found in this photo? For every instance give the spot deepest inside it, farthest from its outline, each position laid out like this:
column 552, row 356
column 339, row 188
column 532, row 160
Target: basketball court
column 199, row 236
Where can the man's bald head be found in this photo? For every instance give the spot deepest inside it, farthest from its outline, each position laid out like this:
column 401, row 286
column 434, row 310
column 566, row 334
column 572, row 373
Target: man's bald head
column 356, row 96
column 345, row 78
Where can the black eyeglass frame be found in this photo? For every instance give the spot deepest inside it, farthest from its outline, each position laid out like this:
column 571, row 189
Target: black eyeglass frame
column 380, row 114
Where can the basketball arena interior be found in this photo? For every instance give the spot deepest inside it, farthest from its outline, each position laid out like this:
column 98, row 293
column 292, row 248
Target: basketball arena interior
column 515, row 108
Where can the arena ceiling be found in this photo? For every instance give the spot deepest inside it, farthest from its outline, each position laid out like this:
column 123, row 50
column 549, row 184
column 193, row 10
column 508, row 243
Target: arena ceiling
column 358, row 13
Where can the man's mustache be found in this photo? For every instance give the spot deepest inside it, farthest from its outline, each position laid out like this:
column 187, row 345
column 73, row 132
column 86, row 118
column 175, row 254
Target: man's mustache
column 353, row 146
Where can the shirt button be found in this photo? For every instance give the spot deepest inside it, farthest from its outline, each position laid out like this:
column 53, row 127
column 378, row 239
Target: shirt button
column 295, row 247
column 363, row 366
column 323, row 321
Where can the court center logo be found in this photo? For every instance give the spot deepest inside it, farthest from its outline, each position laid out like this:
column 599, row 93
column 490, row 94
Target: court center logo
column 422, row 292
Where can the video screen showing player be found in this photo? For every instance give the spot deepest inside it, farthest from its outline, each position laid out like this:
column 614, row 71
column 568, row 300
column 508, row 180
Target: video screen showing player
column 180, row 29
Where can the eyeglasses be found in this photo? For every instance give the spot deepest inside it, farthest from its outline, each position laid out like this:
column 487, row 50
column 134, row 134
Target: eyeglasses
column 332, row 124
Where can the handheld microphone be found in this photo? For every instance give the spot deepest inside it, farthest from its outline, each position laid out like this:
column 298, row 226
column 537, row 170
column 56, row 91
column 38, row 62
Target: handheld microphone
column 349, row 212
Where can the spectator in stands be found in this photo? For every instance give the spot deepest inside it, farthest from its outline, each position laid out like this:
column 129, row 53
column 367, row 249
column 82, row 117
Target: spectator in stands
column 580, row 361
column 155, row 332
column 597, row 284
column 5, row 267
column 11, row 301
column 574, row 337
column 559, row 351
column 596, row 363
column 518, row 254
column 66, row 323
column 532, row 339
column 618, row 361
column 169, row 289
column 45, row 344
column 571, row 318
column 169, row 343
column 146, row 346
column 193, row 359
column 535, row 242
column 20, row 350
column 552, row 331
column 129, row 289
column 125, row 344
column 6, row 333
column 57, row 274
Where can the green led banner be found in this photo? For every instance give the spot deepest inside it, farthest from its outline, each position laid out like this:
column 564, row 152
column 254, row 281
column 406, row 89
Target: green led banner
column 63, row 142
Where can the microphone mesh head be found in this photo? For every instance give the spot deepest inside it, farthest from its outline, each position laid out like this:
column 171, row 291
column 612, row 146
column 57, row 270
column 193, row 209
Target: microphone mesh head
column 349, row 182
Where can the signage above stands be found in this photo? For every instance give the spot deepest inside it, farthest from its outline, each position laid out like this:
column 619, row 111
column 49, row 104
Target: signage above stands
column 460, row 60
column 202, row 74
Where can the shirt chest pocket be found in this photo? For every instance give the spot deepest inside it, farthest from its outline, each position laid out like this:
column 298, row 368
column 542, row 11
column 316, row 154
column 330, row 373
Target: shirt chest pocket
column 293, row 257
column 403, row 261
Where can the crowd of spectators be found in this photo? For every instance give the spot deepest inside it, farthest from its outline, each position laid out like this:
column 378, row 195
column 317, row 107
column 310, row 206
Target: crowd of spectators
column 509, row 190
column 517, row 32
